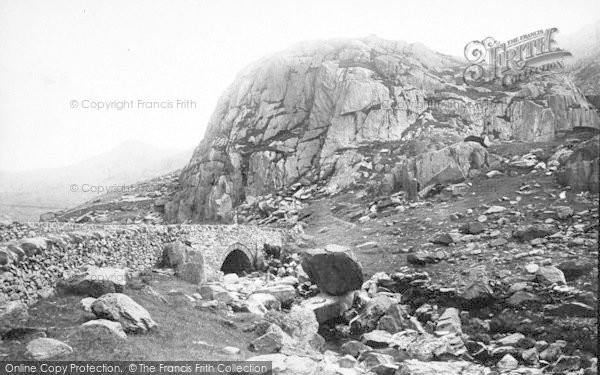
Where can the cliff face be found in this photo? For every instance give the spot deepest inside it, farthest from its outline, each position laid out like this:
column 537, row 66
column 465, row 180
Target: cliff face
column 319, row 111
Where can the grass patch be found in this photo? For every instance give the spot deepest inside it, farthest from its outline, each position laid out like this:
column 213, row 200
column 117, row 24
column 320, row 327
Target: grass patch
column 183, row 329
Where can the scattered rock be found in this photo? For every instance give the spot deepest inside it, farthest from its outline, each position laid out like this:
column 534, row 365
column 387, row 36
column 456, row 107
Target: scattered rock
column 396, row 319
column 369, row 317
column 260, row 303
column 284, row 293
column 377, row 339
column 86, row 303
column 572, row 309
column 575, row 269
column 449, row 322
column 472, row 228
column 215, row 292
column 45, row 348
column 566, row 363
column 443, row 239
column 13, row 314
column 104, row 325
column 511, row 340
column 326, row 307
column 507, row 363
column 354, row 348
column 94, row 282
column 564, row 212
column 550, row 275
column 530, row 232
column 272, row 341
column 232, row 350
column 33, row 246
column 121, row 308
column 530, row 356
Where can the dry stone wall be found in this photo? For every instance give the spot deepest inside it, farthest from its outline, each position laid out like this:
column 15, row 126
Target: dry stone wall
column 34, row 256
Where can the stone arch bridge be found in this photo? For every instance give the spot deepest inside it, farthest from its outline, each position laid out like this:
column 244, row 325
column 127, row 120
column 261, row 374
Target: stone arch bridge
column 54, row 250
column 232, row 248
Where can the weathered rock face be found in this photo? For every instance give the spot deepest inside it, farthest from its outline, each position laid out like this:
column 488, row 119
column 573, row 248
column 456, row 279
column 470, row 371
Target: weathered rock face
column 582, row 168
column 316, row 112
column 448, row 165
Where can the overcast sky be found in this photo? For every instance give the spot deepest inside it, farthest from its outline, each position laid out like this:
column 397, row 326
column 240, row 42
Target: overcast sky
column 55, row 55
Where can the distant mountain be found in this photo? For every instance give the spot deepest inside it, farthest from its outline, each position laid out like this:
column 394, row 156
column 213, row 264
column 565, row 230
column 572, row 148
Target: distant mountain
column 25, row 195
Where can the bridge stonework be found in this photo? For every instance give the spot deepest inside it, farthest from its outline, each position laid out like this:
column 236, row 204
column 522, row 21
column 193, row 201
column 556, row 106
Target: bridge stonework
column 34, row 256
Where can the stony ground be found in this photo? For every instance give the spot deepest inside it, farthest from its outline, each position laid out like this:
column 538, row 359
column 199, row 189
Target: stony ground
column 185, row 331
column 509, row 258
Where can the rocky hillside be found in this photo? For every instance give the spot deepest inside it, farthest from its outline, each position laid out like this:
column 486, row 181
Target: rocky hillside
column 322, row 112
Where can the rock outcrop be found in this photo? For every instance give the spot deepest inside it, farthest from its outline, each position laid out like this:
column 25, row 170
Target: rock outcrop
column 582, row 168
column 322, row 111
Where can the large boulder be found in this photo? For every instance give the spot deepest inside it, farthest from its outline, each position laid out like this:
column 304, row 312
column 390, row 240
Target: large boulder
column 283, row 293
column 299, row 323
column 121, row 308
column 448, row 165
column 174, row 253
column 271, row 341
column 192, row 269
column 582, row 167
column 334, row 269
column 94, row 282
column 13, row 314
column 33, row 245
column 327, row 307
column 369, row 316
column 187, row 261
column 7, row 258
column 260, row 303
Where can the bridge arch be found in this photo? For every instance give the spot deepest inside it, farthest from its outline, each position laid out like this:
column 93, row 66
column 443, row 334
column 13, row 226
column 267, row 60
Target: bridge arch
column 238, row 259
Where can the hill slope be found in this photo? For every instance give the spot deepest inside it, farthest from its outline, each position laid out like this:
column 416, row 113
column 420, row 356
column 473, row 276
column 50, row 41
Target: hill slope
column 320, row 111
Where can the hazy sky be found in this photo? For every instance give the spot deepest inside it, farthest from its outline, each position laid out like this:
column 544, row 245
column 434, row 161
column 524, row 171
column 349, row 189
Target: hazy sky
column 53, row 53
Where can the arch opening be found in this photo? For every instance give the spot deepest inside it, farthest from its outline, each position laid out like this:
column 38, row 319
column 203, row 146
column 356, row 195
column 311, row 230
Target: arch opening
column 237, row 262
